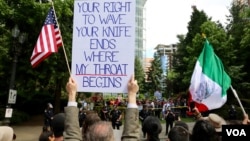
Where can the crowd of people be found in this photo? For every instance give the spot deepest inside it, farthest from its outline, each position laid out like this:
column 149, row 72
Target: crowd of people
column 96, row 128
column 66, row 127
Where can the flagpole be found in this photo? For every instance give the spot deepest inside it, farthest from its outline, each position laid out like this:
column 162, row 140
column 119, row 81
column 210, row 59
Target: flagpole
column 67, row 62
column 236, row 96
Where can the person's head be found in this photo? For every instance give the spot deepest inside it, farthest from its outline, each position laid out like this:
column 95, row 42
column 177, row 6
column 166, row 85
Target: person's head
column 7, row 133
column 145, row 106
column 100, row 131
column 45, row 128
column 203, row 130
column 178, row 133
column 152, row 126
column 216, row 120
column 232, row 107
column 49, row 106
column 169, row 109
column 47, row 136
column 91, row 118
column 58, row 124
column 182, row 124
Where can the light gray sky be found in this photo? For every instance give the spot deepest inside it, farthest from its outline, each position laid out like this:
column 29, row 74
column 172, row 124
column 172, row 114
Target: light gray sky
column 167, row 18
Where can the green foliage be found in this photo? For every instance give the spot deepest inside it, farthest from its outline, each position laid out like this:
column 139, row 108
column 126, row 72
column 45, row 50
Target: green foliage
column 17, row 116
column 51, row 75
column 139, row 75
column 238, row 31
column 141, row 97
column 184, row 59
column 230, row 44
column 47, row 81
column 197, row 19
column 155, row 73
column 170, row 79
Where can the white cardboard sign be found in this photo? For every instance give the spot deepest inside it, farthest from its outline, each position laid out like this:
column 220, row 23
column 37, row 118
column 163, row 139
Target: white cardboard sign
column 103, row 45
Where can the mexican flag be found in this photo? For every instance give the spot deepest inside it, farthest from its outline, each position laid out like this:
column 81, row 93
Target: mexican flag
column 209, row 82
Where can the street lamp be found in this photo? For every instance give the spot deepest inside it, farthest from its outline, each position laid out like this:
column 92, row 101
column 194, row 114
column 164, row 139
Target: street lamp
column 12, row 92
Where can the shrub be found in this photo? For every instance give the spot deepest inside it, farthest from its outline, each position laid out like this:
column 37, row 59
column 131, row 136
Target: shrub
column 17, row 116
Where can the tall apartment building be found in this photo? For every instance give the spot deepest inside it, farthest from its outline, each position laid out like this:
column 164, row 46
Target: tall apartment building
column 140, row 41
column 166, row 53
column 147, row 66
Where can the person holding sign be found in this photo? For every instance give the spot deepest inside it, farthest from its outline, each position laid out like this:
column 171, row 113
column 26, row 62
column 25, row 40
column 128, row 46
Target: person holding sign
column 131, row 127
column 103, row 36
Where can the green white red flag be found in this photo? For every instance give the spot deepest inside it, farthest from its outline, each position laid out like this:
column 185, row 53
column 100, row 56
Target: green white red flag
column 209, row 82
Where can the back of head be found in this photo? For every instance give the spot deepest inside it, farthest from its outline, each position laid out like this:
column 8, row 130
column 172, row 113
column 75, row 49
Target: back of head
column 45, row 135
column 232, row 107
column 89, row 120
column 100, row 131
column 216, row 120
column 49, row 105
column 58, row 124
column 182, row 124
column 203, row 130
column 152, row 126
column 179, row 133
column 6, row 133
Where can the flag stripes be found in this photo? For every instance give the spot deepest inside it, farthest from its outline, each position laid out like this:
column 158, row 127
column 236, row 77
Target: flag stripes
column 49, row 40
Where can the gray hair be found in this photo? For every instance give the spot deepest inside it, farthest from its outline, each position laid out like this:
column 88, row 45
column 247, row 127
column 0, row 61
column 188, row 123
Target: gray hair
column 100, row 131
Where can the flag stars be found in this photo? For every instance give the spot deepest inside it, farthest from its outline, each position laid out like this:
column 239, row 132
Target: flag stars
column 49, row 39
column 50, row 19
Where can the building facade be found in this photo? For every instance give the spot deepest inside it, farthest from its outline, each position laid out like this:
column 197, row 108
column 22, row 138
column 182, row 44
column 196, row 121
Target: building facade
column 140, row 30
column 147, row 66
column 166, row 54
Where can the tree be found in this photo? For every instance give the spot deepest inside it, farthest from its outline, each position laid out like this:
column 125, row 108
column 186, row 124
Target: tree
column 139, row 74
column 170, row 81
column 155, row 73
column 178, row 66
column 238, row 30
column 49, row 77
column 181, row 82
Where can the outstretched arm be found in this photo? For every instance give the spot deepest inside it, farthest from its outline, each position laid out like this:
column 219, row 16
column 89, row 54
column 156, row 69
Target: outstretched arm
column 72, row 127
column 131, row 131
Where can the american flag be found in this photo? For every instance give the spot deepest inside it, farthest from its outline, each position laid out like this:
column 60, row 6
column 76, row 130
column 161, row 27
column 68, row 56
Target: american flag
column 49, row 40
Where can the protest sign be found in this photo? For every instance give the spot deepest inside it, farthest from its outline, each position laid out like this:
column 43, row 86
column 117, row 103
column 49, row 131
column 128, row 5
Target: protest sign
column 103, row 45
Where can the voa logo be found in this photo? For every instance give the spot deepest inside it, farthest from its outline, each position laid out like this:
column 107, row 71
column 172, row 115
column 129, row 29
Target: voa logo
column 236, row 132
